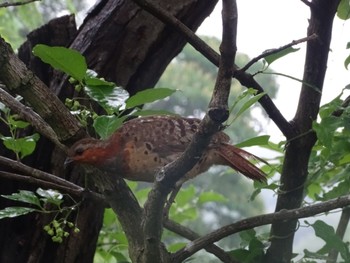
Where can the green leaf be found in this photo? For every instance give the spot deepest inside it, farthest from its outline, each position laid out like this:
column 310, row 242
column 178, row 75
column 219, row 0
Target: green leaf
column 25, row 197
column 248, row 104
column 239, row 254
column 50, row 196
column 246, row 236
column 176, row 246
column 206, row 197
column 347, row 62
column 148, row 96
column 185, row 196
column 106, row 125
column 67, row 60
column 271, row 58
column 259, row 140
column 111, row 98
column 92, row 81
column 327, row 233
column 27, row 145
column 23, row 146
column 14, row 211
column 19, row 124
column 343, row 11
column 109, row 217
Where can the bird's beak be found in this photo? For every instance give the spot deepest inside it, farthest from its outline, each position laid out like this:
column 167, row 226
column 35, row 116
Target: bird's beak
column 67, row 162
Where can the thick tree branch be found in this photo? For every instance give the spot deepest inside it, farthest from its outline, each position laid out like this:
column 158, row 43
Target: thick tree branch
column 244, row 78
column 249, row 223
column 212, row 122
column 30, row 116
column 295, row 166
column 20, row 80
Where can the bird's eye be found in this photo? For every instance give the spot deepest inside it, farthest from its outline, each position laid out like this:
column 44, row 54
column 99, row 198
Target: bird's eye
column 79, row 151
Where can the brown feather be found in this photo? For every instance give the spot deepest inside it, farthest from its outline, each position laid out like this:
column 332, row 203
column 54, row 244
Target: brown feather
column 238, row 159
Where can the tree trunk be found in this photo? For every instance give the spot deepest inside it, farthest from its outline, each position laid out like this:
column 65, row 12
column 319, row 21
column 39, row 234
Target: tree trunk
column 298, row 150
column 123, row 44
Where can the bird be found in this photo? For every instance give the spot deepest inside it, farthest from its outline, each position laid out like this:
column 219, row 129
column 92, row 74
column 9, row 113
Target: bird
column 142, row 146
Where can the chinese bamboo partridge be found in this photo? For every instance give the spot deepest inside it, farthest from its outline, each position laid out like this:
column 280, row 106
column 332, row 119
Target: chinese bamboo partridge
column 142, row 146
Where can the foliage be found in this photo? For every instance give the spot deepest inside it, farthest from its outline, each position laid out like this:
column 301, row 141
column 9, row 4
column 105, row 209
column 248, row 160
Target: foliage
column 16, row 24
column 21, row 146
column 330, row 162
column 328, row 165
column 44, row 201
column 114, row 100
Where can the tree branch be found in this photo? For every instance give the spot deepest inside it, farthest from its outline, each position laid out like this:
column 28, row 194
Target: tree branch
column 20, row 80
column 276, row 50
column 249, row 223
column 42, row 183
column 212, row 123
column 7, row 4
column 244, row 78
column 295, row 166
column 30, row 116
column 40, row 178
column 191, row 235
column 20, row 167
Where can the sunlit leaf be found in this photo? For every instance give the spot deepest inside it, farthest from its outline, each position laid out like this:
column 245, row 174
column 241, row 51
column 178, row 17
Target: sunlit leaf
column 147, row 96
column 111, row 98
column 67, row 60
column 50, row 196
column 273, row 57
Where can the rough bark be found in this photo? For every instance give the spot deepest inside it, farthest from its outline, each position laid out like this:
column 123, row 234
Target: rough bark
column 124, row 44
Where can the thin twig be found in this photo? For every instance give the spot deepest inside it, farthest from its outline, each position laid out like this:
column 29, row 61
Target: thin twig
column 276, row 50
column 191, row 235
column 244, row 78
column 30, row 116
column 261, row 220
column 7, row 4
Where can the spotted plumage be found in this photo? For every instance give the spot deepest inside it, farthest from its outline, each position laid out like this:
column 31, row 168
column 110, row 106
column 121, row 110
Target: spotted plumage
column 142, row 146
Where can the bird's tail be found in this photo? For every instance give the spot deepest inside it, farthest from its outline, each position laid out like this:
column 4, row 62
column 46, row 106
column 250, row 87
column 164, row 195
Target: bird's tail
column 238, row 159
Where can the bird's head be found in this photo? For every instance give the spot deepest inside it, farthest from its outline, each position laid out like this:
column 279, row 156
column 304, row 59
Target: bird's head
column 90, row 151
